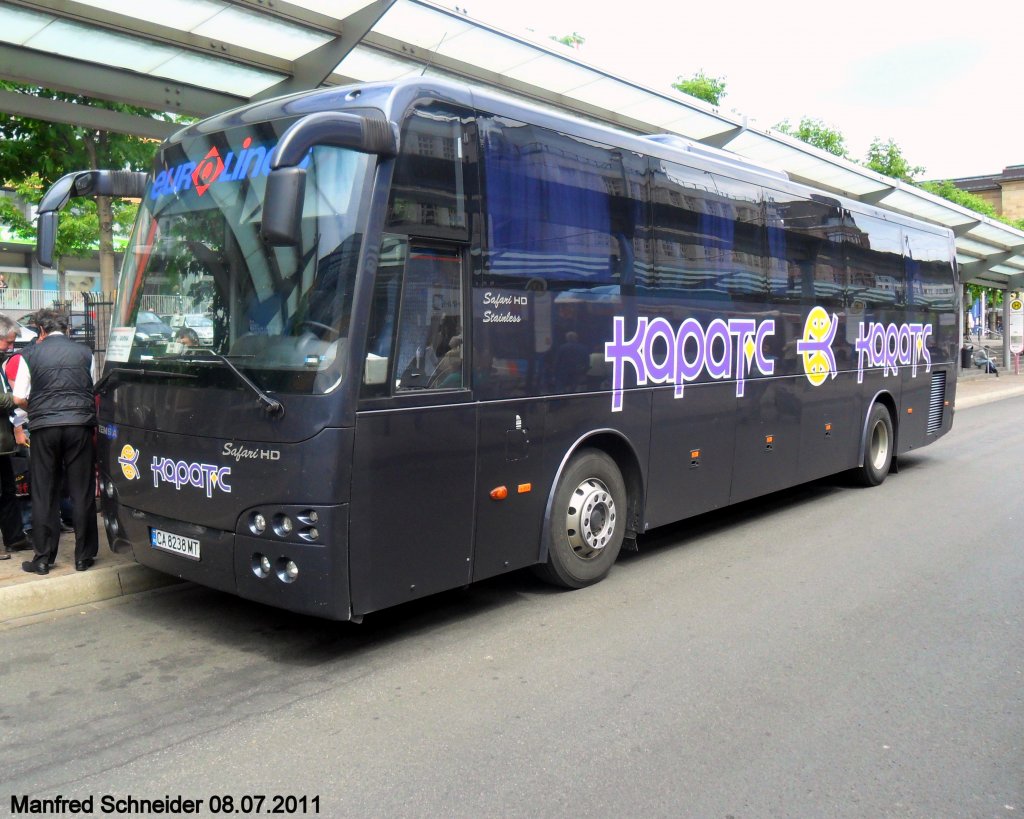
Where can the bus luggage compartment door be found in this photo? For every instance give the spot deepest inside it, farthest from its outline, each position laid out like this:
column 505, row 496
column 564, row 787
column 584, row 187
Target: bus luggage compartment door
column 412, row 503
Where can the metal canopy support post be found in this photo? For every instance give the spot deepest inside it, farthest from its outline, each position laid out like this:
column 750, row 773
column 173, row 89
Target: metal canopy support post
column 720, row 140
column 314, row 68
column 1006, row 329
column 143, row 30
column 103, row 119
column 962, row 321
column 25, row 65
column 875, row 197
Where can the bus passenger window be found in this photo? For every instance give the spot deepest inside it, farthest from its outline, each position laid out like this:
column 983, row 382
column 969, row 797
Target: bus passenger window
column 430, row 324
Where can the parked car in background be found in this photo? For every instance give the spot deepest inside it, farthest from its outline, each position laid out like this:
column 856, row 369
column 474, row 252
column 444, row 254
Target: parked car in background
column 149, row 329
column 203, row 325
column 26, row 335
column 81, row 327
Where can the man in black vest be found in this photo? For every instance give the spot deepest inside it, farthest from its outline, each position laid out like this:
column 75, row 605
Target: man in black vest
column 54, row 383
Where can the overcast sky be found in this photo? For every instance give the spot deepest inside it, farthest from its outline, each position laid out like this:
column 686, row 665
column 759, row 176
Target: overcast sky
column 943, row 81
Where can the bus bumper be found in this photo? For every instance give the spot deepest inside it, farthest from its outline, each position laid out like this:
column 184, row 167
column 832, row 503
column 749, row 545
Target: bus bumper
column 304, row 577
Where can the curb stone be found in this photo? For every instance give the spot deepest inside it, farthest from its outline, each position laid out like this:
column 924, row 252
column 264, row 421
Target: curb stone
column 93, row 586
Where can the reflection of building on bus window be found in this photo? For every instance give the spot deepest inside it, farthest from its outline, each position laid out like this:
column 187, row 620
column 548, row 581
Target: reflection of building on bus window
column 572, row 360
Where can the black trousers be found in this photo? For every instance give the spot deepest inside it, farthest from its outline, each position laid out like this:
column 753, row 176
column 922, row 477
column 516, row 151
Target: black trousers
column 60, row 453
column 10, row 508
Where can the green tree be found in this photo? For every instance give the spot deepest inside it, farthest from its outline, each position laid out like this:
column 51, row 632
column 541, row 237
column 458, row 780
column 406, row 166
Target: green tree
column 79, row 222
column 947, row 190
column 44, row 151
column 887, row 159
column 703, row 87
column 573, row 40
column 817, row 133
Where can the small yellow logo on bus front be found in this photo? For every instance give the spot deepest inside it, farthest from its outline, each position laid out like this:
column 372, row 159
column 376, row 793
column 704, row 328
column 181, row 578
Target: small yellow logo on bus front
column 129, row 462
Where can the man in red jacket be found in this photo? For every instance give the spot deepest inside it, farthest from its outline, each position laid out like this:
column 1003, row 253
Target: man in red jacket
column 10, row 510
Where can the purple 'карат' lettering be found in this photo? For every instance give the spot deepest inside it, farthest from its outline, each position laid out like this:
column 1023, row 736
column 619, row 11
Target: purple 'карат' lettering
column 661, row 354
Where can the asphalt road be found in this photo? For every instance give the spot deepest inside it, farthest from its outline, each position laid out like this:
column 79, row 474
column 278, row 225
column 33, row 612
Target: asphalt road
column 827, row 651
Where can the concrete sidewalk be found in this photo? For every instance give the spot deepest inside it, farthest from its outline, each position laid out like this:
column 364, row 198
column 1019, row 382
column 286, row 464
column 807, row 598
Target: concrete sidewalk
column 114, row 575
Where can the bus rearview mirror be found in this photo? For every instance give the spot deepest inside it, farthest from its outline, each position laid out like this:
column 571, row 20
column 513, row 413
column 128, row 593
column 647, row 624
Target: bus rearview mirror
column 282, row 207
column 46, row 236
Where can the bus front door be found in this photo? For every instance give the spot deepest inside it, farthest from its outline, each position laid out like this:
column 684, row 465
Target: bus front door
column 414, row 464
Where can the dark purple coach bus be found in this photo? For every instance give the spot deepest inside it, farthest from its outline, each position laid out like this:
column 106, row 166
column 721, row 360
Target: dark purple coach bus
column 455, row 335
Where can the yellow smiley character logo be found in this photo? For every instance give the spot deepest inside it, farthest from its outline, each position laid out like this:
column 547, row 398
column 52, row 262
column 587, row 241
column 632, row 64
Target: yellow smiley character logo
column 128, row 460
column 815, row 347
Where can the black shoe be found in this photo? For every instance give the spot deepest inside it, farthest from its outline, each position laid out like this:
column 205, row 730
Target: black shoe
column 4, row 556
column 82, row 565
column 35, row 567
column 19, row 545
column 66, row 527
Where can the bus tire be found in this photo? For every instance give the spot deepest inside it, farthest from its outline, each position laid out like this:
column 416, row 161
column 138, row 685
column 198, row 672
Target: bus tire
column 879, row 446
column 587, row 523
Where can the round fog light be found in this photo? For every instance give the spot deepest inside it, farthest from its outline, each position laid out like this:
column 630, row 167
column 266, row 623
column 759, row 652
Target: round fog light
column 288, row 571
column 261, row 565
column 283, row 525
column 109, row 488
column 258, row 523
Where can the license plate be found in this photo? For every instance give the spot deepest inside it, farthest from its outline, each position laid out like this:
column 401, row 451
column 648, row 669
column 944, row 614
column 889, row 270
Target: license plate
column 176, row 544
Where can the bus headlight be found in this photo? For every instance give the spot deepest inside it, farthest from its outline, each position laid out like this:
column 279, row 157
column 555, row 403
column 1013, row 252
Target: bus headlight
column 258, row 523
column 287, row 570
column 283, row 525
column 261, row 565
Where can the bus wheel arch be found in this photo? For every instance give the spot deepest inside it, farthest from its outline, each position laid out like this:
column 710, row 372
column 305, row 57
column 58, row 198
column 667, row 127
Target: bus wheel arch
column 878, row 442
column 592, row 509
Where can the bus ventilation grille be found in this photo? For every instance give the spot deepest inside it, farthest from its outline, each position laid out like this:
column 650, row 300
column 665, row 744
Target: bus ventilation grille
column 937, row 401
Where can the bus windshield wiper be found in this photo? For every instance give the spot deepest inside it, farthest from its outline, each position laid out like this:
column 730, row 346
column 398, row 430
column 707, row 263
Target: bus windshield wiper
column 272, row 406
column 102, row 384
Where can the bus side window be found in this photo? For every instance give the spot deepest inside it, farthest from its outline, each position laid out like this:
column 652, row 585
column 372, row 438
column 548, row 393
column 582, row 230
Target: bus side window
column 430, row 323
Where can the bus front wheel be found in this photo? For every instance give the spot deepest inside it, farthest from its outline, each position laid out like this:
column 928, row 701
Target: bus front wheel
column 879, row 445
column 588, row 521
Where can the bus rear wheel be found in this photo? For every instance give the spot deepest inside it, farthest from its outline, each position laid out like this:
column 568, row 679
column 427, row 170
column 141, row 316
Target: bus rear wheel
column 588, row 521
column 879, row 446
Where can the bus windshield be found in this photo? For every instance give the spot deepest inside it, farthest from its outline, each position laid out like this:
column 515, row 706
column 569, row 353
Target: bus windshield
column 278, row 313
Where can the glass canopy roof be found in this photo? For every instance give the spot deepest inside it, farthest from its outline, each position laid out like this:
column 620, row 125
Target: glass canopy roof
column 203, row 56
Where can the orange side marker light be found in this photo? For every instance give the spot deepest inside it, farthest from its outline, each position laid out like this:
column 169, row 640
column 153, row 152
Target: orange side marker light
column 499, row 493
column 523, row 488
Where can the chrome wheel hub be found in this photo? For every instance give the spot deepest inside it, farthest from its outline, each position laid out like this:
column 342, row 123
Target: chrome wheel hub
column 590, row 518
column 879, row 453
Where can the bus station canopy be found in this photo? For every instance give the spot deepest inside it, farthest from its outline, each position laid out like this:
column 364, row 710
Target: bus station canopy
column 200, row 57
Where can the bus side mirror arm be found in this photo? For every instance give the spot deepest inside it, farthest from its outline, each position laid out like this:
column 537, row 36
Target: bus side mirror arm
column 286, row 183
column 126, row 184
